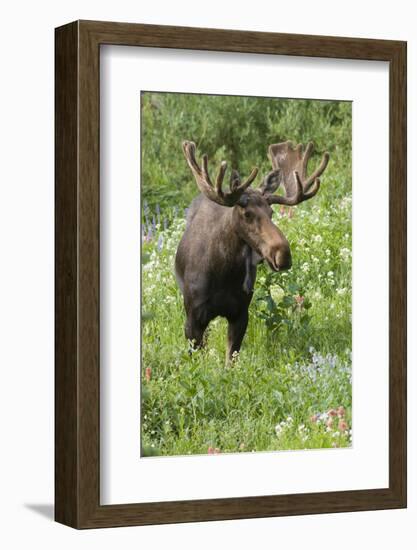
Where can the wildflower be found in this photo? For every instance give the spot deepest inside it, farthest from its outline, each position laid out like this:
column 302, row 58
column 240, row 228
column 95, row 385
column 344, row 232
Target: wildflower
column 278, row 429
column 344, row 253
column 299, row 300
column 314, row 418
column 332, row 412
column 145, row 207
column 235, row 356
column 277, row 293
column 317, row 238
column 241, row 446
column 341, row 291
column 149, row 236
column 343, row 426
column 341, row 412
column 305, row 267
column 213, row 451
column 329, row 423
column 148, row 373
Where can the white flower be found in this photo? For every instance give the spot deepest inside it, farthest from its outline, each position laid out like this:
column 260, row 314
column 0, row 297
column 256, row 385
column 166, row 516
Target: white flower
column 346, row 202
column 318, row 238
column 277, row 293
column 345, row 253
column 305, row 267
column 341, row 291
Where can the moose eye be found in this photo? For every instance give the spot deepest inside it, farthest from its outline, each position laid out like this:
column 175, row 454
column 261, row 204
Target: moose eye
column 248, row 216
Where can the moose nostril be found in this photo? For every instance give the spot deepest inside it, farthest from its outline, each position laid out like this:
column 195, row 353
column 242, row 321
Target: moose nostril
column 277, row 258
column 283, row 259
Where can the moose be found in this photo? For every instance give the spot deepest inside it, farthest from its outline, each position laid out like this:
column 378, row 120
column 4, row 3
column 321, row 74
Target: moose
column 228, row 233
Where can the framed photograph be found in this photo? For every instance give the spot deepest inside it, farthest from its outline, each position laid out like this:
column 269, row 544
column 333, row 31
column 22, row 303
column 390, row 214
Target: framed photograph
column 230, row 274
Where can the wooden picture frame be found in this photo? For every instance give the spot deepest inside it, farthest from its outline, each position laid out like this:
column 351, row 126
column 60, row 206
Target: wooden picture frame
column 77, row 373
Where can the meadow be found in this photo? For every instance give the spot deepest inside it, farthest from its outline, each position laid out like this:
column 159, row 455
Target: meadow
column 290, row 385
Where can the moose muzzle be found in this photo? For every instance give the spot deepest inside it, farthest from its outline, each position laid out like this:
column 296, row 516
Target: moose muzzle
column 275, row 248
column 279, row 258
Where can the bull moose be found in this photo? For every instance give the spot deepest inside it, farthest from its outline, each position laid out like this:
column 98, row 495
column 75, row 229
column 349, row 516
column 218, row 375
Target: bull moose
column 229, row 233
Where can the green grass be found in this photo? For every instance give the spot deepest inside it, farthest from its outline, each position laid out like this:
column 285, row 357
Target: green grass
column 295, row 363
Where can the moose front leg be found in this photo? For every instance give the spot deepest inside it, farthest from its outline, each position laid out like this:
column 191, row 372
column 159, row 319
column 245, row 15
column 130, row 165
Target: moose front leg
column 236, row 332
column 194, row 330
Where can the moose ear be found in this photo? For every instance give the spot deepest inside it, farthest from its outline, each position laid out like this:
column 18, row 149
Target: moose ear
column 243, row 200
column 271, row 182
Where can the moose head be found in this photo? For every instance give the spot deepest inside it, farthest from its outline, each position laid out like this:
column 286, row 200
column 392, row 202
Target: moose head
column 252, row 212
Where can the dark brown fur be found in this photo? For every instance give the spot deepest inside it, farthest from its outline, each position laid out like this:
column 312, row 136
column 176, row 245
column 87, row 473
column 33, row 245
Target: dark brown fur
column 216, row 263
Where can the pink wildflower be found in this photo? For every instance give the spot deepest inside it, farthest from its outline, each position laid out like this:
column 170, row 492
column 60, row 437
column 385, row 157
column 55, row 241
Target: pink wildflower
column 341, row 412
column 342, row 426
column 148, row 373
column 213, row 451
column 299, row 299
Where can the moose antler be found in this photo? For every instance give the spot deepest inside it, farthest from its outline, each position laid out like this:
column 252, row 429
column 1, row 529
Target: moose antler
column 215, row 192
column 290, row 165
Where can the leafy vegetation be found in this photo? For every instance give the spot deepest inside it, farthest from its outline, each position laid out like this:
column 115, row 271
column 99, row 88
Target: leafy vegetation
column 290, row 386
